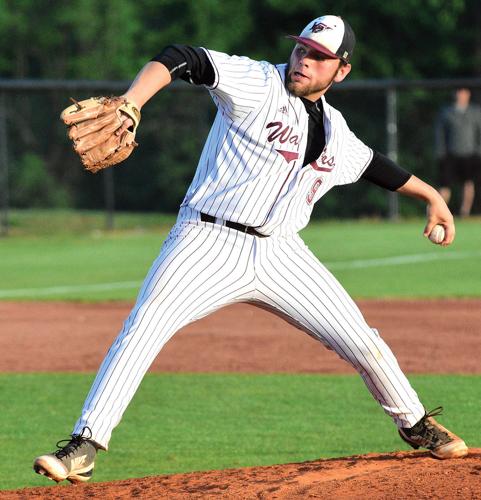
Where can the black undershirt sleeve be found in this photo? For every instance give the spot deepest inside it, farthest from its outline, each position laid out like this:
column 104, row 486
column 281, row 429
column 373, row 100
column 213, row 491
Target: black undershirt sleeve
column 191, row 64
column 385, row 173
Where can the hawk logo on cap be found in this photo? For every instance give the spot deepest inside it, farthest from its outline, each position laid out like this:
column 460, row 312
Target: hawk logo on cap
column 318, row 27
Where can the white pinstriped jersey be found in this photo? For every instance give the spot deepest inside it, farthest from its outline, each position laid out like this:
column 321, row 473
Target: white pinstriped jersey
column 250, row 170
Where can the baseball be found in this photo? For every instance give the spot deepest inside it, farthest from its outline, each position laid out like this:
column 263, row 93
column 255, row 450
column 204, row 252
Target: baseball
column 437, row 234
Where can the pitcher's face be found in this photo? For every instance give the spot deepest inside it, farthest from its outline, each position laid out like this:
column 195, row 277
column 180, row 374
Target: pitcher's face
column 311, row 73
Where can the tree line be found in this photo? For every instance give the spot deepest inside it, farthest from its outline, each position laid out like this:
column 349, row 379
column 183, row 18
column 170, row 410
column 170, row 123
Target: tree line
column 113, row 39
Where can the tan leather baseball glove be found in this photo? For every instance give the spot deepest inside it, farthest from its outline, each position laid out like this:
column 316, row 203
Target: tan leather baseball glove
column 92, row 126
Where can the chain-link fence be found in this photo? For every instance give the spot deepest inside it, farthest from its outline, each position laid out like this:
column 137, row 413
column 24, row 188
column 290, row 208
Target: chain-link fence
column 39, row 169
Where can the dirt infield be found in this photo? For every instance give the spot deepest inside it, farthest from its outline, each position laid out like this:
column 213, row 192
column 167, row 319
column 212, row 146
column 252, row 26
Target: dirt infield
column 438, row 336
column 402, row 475
column 441, row 336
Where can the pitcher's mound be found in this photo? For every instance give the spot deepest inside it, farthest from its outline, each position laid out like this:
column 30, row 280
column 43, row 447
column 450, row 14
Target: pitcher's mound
column 400, row 475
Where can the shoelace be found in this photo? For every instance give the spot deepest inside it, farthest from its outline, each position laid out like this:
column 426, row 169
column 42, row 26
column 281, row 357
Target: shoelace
column 72, row 444
column 433, row 413
column 430, row 431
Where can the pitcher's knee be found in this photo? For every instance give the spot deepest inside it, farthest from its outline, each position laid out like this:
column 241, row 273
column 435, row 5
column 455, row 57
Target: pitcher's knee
column 369, row 350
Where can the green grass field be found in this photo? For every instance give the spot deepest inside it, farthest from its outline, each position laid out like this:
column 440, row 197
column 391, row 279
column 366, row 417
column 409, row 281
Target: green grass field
column 179, row 423
column 67, row 256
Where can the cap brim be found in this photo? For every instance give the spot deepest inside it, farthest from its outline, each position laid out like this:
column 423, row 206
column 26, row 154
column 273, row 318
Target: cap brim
column 314, row 45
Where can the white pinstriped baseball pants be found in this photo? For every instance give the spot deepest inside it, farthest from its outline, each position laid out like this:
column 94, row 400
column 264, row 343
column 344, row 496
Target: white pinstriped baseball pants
column 203, row 267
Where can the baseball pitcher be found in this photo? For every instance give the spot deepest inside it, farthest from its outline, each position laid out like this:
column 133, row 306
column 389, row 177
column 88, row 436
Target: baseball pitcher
column 275, row 148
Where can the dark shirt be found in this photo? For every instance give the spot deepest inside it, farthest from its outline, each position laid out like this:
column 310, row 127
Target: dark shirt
column 316, row 137
column 192, row 65
column 458, row 131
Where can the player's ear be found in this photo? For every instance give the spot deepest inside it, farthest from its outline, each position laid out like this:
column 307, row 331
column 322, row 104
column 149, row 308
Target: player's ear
column 342, row 72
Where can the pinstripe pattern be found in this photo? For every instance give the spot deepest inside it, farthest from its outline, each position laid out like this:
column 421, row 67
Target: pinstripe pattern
column 252, row 172
column 197, row 272
column 242, row 176
column 203, row 267
column 294, row 283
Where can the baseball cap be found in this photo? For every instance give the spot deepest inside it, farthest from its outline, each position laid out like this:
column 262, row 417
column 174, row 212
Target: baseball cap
column 330, row 35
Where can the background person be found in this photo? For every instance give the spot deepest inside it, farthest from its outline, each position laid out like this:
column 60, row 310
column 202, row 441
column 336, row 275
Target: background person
column 458, row 148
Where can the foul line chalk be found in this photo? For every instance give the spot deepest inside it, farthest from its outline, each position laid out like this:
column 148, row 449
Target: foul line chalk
column 349, row 264
column 59, row 290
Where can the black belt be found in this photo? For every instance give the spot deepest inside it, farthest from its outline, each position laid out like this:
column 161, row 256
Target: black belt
column 233, row 225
